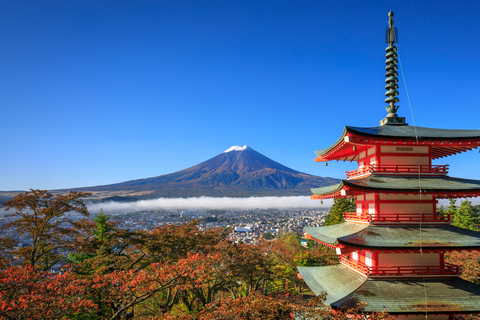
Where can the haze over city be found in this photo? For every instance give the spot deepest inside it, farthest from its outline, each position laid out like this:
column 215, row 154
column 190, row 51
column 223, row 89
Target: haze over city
column 102, row 92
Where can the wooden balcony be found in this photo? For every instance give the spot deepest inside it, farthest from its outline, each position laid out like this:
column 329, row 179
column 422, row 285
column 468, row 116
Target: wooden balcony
column 404, row 217
column 402, row 169
column 402, row 271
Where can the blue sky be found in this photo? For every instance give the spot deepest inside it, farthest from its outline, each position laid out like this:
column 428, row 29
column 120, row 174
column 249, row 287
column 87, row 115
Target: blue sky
column 99, row 92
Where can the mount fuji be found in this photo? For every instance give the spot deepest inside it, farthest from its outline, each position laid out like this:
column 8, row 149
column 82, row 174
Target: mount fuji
column 239, row 171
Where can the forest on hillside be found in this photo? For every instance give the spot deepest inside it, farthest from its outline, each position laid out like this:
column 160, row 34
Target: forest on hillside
column 172, row 272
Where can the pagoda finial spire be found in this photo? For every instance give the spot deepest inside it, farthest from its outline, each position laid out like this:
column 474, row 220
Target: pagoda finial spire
column 391, row 75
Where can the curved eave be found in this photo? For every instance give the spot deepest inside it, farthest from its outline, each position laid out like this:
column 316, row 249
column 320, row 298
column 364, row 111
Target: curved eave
column 331, row 234
column 443, row 142
column 327, row 192
column 412, row 132
column 389, row 238
column 438, row 186
column 327, row 153
column 346, row 288
column 403, row 297
column 441, row 187
column 439, row 147
column 337, row 280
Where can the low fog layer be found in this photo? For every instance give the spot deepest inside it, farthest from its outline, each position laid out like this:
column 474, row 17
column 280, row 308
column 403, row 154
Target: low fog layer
column 213, row 203
column 205, row 203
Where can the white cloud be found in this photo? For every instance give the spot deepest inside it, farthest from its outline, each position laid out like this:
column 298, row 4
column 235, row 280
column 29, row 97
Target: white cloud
column 212, row 203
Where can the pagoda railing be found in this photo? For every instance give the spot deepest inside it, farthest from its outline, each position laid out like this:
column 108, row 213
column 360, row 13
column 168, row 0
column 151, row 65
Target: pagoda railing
column 404, row 169
column 397, row 217
column 445, row 270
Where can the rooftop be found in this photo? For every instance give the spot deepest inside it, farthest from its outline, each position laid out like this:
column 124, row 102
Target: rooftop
column 346, row 289
column 444, row 142
column 412, row 237
column 441, row 186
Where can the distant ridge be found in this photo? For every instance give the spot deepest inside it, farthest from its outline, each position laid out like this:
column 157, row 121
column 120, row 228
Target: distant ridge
column 239, row 171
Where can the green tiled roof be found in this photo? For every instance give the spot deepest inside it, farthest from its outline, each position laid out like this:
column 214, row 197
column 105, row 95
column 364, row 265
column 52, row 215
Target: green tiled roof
column 405, row 132
column 450, row 295
column 323, row 151
column 402, row 184
column 346, row 288
column 328, row 189
column 409, row 132
column 432, row 184
column 396, row 237
column 330, row 234
column 336, row 280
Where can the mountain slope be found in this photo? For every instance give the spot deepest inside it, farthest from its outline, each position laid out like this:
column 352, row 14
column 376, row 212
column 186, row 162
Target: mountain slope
column 239, row 171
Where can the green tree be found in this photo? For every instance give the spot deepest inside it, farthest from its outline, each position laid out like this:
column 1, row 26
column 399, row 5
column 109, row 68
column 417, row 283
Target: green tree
column 102, row 247
column 340, row 205
column 452, row 207
column 103, row 228
column 466, row 216
column 268, row 236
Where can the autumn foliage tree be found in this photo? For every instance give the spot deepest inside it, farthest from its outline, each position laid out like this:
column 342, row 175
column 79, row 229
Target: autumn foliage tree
column 172, row 242
column 101, row 247
column 173, row 271
column 288, row 254
column 27, row 293
column 40, row 216
column 120, row 292
column 257, row 306
column 253, row 306
column 245, row 268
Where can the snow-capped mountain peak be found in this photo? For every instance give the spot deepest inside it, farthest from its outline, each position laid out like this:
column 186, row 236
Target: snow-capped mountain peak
column 236, row 148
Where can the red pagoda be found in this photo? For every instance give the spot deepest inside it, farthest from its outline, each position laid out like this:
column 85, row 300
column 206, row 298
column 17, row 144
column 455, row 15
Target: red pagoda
column 392, row 247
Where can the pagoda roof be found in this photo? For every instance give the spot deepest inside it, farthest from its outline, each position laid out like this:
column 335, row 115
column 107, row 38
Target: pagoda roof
column 346, row 288
column 411, row 132
column 441, row 186
column 444, row 142
column 337, row 280
column 403, row 237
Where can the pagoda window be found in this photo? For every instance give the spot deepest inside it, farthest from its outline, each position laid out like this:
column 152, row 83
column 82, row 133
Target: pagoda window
column 371, row 208
column 355, row 255
column 366, row 158
column 368, row 258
